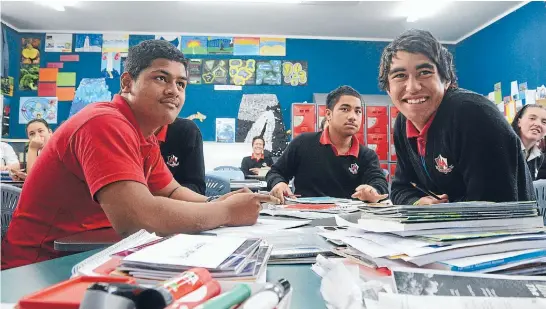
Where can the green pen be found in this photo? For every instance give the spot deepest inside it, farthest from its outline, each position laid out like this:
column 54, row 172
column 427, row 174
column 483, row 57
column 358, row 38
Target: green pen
column 229, row 299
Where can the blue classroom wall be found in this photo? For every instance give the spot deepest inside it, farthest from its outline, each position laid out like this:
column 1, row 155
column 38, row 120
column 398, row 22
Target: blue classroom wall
column 513, row 48
column 331, row 63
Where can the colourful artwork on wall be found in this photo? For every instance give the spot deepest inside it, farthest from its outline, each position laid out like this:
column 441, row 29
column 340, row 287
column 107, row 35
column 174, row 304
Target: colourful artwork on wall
column 268, row 72
column 195, row 71
column 111, row 65
column 58, row 42
column 194, row 45
column 246, row 46
column 241, row 72
column 89, row 91
column 88, row 42
column 294, row 73
column 115, row 43
column 28, row 80
column 273, row 46
column 7, row 86
column 220, row 45
column 30, row 50
column 38, row 107
column 215, row 71
column 135, row 39
column 174, row 39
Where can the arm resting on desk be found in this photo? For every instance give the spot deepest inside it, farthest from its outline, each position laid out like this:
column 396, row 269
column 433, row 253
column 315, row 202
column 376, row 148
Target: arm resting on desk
column 178, row 192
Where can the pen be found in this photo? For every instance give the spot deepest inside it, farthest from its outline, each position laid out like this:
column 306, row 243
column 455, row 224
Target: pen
column 269, row 297
column 427, row 192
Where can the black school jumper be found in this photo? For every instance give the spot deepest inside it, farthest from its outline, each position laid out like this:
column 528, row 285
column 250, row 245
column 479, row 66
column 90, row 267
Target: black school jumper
column 472, row 154
column 319, row 172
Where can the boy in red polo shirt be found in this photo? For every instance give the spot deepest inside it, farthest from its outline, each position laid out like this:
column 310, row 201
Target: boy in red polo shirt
column 103, row 168
column 331, row 162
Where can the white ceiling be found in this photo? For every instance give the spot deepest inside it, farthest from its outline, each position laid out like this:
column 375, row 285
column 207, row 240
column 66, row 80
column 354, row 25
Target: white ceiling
column 355, row 20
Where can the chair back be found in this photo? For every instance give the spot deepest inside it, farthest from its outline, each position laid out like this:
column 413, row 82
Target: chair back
column 216, row 185
column 10, row 197
column 229, row 175
column 540, row 192
column 227, row 168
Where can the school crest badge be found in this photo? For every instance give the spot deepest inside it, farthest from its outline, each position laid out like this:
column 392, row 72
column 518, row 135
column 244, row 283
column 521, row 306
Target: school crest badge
column 442, row 166
column 353, row 168
column 172, row 161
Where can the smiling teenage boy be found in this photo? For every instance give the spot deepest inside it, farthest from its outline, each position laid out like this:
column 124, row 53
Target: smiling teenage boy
column 103, row 168
column 331, row 162
column 448, row 140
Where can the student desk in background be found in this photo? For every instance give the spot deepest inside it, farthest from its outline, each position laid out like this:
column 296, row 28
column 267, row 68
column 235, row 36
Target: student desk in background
column 21, row 281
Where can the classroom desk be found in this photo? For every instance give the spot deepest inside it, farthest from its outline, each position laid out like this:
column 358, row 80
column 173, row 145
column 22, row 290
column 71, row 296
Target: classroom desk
column 21, row 281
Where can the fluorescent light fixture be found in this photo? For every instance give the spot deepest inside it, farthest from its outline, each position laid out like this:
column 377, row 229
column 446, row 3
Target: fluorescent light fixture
column 58, row 5
column 248, row 1
column 414, row 10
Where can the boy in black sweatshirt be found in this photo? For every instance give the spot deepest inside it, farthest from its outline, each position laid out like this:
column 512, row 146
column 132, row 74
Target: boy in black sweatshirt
column 448, row 140
column 331, row 162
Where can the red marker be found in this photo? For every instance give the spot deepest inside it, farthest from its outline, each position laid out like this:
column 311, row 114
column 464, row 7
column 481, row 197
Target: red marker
column 197, row 297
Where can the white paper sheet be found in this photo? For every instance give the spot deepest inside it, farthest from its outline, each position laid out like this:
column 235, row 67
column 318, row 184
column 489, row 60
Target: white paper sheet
column 263, row 225
column 398, row 301
column 370, row 248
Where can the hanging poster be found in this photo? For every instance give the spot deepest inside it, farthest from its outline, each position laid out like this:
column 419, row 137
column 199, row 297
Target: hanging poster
column 246, row 46
column 58, row 42
column 273, row 46
column 194, row 45
column 174, row 39
column 89, row 91
column 30, row 50
column 115, row 43
column 294, row 73
column 215, row 71
column 111, row 65
column 241, row 72
column 220, row 45
column 498, row 93
column 28, row 80
column 268, row 72
column 38, row 107
column 195, row 71
column 88, row 42
column 7, row 86
column 135, row 39
column 225, row 130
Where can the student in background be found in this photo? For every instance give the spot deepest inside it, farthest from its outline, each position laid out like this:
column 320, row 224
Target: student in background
column 251, row 165
column 103, row 168
column 323, row 124
column 448, row 140
column 9, row 158
column 331, row 162
column 181, row 146
column 530, row 125
column 39, row 133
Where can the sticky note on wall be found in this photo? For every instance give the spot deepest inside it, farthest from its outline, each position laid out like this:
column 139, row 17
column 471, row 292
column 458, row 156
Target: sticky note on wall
column 47, row 89
column 48, row 74
column 65, row 93
column 66, row 79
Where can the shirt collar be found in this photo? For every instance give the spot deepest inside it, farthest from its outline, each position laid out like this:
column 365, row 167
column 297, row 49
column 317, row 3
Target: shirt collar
column 126, row 110
column 257, row 158
column 411, row 130
column 353, row 151
column 162, row 134
column 534, row 152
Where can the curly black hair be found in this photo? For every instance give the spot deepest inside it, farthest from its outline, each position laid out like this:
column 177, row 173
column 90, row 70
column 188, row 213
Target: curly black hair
column 418, row 42
column 142, row 55
column 333, row 97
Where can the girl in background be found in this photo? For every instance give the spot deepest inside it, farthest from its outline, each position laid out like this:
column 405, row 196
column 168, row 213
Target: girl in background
column 530, row 125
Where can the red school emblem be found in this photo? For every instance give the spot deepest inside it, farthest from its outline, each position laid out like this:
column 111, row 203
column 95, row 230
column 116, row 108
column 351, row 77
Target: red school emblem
column 172, row 161
column 442, row 166
column 353, row 168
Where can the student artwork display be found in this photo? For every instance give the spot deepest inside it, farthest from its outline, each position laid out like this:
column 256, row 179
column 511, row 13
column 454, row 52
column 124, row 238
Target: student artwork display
column 115, row 43
column 273, row 47
column 215, row 71
column 498, row 93
column 246, row 46
column 111, row 65
column 7, row 86
column 89, row 91
column 241, row 72
column 30, row 50
column 135, row 39
column 225, row 130
column 220, row 45
column 58, row 42
column 194, row 45
column 88, row 42
column 294, row 73
column 195, row 71
column 28, row 80
column 5, row 118
column 268, row 72
column 260, row 114
column 174, row 39
column 38, row 107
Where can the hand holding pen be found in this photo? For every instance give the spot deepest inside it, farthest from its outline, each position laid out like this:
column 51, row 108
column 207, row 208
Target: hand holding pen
column 431, row 198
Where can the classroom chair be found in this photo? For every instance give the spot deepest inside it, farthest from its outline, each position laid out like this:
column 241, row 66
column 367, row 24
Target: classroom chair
column 216, row 185
column 228, row 174
column 10, row 197
column 540, row 192
column 227, row 168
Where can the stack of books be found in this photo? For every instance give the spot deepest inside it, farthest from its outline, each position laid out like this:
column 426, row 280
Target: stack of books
column 482, row 237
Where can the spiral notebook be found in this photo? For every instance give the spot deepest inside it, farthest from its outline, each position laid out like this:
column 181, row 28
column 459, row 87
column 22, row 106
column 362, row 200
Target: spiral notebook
column 87, row 266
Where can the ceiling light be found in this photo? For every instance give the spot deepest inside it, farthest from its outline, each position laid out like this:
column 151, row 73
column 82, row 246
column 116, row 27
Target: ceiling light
column 414, row 10
column 58, row 5
column 248, row 1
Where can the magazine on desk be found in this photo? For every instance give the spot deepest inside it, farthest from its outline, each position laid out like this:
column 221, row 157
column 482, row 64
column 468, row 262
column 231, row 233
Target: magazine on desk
column 413, row 281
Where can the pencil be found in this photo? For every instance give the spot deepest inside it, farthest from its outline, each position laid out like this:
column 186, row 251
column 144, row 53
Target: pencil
column 425, row 191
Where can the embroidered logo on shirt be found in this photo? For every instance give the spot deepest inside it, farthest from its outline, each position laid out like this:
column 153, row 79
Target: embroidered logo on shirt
column 264, row 164
column 353, row 168
column 172, row 161
column 442, row 166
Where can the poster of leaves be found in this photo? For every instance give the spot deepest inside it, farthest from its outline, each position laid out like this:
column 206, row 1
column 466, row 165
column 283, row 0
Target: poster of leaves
column 29, row 77
column 294, row 73
column 215, row 71
column 241, row 72
column 194, row 71
column 268, row 72
column 7, row 86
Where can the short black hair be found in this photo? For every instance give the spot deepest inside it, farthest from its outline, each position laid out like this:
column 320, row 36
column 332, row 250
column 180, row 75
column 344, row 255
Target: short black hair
column 142, row 55
column 333, row 97
column 520, row 114
column 40, row 120
column 418, row 42
column 256, row 138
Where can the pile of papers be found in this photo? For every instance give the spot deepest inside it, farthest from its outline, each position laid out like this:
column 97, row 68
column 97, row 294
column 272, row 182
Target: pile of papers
column 507, row 238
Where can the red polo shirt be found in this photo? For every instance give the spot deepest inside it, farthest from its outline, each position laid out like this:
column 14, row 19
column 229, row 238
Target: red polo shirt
column 162, row 134
column 99, row 145
column 257, row 158
column 412, row 132
column 353, row 151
